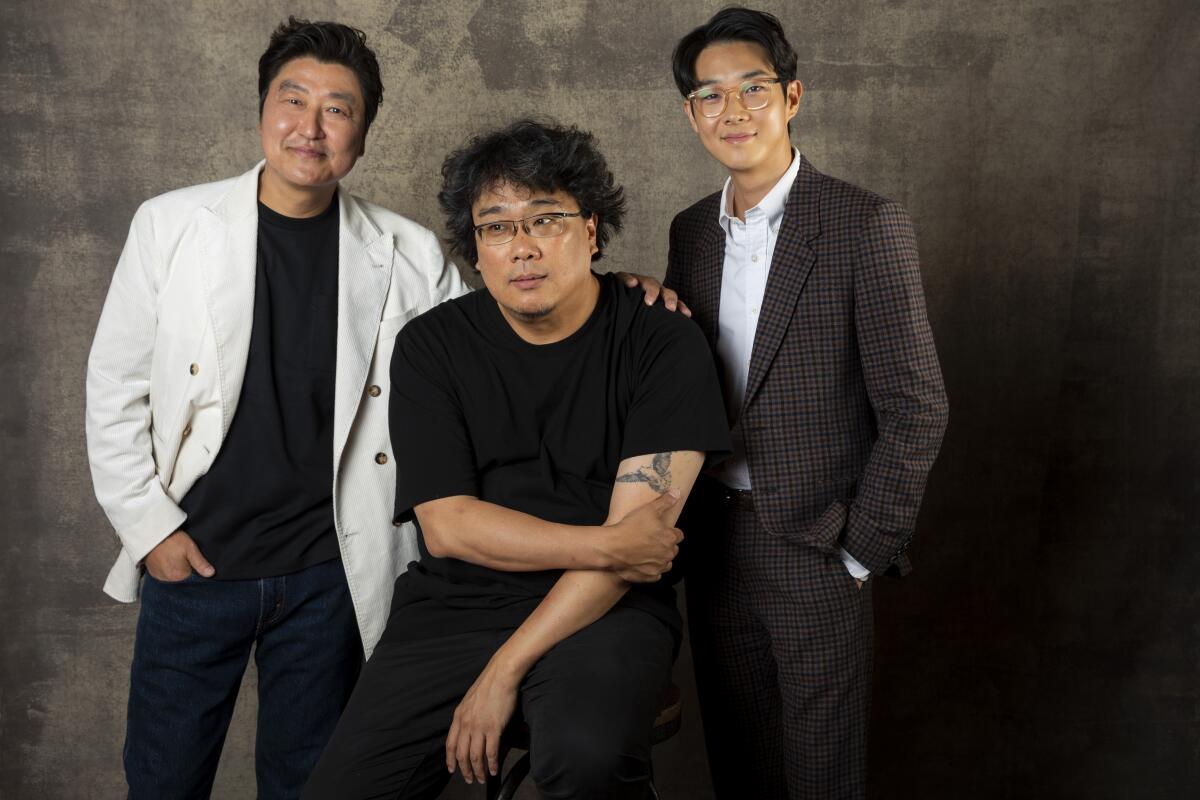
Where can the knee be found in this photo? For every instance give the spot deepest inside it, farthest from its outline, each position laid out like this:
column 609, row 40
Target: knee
column 587, row 763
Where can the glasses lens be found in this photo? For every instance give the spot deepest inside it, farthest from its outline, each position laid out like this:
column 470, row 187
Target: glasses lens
column 755, row 95
column 710, row 103
column 548, row 225
column 498, row 232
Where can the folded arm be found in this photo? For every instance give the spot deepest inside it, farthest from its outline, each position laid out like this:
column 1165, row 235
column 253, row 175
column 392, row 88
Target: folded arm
column 649, row 493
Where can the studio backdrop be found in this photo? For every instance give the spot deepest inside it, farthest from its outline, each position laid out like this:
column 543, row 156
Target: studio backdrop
column 1047, row 643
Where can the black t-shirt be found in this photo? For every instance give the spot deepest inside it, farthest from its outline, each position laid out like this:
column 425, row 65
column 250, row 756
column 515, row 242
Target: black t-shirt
column 476, row 410
column 266, row 506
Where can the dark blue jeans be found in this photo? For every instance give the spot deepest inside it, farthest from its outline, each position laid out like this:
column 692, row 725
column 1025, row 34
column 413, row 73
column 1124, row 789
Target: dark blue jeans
column 194, row 640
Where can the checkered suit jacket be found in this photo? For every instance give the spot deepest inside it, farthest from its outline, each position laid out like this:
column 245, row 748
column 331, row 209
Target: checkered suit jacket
column 845, row 407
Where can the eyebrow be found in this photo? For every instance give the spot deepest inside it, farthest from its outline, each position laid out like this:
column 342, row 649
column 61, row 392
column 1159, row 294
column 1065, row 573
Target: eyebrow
column 754, row 73
column 541, row 201
column 289, row 85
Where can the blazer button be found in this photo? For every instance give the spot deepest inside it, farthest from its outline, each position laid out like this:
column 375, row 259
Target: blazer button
column 374, row 391
column 381, row 458
column 397, row 524
column 194, row 369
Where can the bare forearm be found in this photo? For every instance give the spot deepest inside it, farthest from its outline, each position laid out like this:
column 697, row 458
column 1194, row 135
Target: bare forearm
column 579, row 598
column 493, row 536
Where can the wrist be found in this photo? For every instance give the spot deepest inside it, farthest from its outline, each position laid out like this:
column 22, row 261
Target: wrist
column 599, row 555
column 508, row 668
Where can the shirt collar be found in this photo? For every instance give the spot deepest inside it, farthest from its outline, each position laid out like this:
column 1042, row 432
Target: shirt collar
column 772, row 205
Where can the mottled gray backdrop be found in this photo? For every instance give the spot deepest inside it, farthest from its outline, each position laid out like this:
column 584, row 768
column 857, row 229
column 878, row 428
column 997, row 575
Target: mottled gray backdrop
column 1048, row 644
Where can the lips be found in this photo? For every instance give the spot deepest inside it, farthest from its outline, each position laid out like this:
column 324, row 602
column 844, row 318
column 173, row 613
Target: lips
column 307, row 152
column 738, row 138
column 528, row 281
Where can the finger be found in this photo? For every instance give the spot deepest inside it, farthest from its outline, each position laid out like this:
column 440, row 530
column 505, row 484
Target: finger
column 463, row 755
column 670, row 299
column 493, row 753
column 197, row 560
column 629, row 280
column 452, row 745
column 478, row 742
column 666, row 500
column 677, row 536
column 683, row 309
column 652, row 290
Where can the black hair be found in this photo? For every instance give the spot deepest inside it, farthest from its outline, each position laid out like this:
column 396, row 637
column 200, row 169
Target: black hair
column 329, row 43
column 734, row 24
column 530, row 155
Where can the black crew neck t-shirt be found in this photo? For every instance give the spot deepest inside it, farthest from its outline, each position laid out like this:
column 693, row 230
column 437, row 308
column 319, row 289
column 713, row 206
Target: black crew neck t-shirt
column 265, row 508
column 476, row 410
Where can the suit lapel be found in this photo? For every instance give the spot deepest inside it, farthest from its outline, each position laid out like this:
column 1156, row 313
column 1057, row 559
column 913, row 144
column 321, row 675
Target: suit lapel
column 791, row 264
column 364, row 272
column 229, row 237
column 710, row 264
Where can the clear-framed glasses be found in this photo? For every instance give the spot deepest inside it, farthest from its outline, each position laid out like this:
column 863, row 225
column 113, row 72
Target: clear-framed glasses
column 542, row 226
column 710, row 101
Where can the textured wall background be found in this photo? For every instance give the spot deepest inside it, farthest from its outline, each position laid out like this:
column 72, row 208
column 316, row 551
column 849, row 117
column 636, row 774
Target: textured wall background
column 1048, row 643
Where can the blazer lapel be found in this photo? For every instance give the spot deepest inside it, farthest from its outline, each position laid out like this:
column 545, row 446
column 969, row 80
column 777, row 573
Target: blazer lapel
column 791, row 264
column 229, row 238
column 364, row 272
column 710, row 264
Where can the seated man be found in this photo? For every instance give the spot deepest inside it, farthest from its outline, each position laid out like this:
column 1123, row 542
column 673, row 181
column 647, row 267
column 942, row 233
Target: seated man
column 546, row 429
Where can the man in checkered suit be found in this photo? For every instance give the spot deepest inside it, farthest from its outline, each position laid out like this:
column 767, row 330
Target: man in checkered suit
column 809, row 292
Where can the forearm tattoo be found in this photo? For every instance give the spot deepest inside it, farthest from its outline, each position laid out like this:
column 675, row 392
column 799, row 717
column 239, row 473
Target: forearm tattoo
column 658, row 476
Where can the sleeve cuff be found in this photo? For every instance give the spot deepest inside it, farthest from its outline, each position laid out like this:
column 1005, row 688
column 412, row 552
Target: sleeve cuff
column 852, row 566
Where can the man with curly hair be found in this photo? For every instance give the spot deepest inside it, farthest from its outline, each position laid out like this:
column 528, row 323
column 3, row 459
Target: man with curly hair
column 547, row 429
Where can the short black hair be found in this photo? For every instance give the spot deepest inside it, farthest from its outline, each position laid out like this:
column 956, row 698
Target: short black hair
column 734, row 24
column 531, row 155
column 329, row 43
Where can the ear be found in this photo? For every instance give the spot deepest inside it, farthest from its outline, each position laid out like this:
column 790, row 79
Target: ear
column 795, row 90
column 590, row 227
column 687, row 110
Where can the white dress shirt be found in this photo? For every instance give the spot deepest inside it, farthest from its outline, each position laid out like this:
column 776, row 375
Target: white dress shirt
column 749, row 246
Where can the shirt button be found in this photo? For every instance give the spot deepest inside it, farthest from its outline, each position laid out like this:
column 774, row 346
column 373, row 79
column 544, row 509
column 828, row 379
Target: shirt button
column 373, row 391
column 396, row 524
column 754, row 258
column 194, row 369
column 187, row 431
column 381, row 458
column 754, row 310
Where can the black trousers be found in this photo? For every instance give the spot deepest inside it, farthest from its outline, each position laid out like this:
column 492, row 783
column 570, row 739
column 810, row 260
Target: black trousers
column 590, row 703
column 782, row 645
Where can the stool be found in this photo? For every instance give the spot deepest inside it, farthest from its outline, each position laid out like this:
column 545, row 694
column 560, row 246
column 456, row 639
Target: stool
column 516, row 737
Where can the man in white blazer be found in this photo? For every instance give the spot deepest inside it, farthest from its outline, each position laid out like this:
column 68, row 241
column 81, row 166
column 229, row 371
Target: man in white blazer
column 277, row 296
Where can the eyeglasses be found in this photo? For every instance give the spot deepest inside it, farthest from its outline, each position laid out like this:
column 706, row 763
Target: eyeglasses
column 541, row 226
column 711, row 101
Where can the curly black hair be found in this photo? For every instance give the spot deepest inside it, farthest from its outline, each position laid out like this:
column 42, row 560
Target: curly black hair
column 531, row 155
column 329, row 43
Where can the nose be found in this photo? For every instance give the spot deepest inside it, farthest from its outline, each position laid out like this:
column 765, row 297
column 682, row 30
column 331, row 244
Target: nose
column 523, row 246
column 310, row 123
column 735, row 109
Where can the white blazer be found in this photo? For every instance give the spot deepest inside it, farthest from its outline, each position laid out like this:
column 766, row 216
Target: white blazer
column 166, row 369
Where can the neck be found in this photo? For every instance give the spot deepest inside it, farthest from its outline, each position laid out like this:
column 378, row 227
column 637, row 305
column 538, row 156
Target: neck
column 752, row 185
column 559, row 322
column 293, row 201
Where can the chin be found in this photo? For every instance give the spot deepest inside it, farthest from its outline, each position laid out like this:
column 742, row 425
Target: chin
column 530, row 313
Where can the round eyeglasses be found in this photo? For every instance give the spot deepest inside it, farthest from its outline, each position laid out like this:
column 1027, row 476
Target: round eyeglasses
column 541, row 226
column 711, row 101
